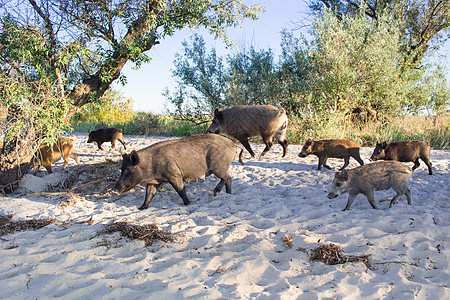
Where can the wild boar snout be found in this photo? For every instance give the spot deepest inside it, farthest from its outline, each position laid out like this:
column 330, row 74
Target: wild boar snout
column 332, row 195
column 302, row 154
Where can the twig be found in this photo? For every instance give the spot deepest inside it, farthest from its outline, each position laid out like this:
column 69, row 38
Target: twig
column 89, row 183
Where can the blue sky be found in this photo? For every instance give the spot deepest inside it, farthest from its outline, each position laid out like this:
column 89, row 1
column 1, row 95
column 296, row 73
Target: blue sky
column 145, row 86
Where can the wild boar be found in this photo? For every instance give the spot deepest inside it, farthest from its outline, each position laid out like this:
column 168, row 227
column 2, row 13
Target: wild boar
column 405, row 151
column 377, row 176
column 246, row 121
column 46, row 155
column 106, row 135
column 331, row 148
column 178, row 161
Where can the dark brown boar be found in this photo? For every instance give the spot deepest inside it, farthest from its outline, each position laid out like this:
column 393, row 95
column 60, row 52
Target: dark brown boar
column 177, row 161
column 246, row 121
column 405, row 151
column 46, row 155
column 106, row 135
column 366, row 179
column 324, row 149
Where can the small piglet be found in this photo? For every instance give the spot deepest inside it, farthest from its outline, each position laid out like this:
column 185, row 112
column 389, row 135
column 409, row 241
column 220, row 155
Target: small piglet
column 405, row 151
column 245, row 121
column 331, row 148
column 176, row 161
column 46, row 155
column 107, row 135
column 377, row 176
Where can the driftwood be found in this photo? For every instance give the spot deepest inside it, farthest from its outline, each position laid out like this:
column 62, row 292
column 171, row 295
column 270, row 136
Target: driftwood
column 71, row 190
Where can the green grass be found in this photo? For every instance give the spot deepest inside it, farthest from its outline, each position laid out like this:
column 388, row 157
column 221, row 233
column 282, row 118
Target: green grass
column 434, row 130
column 148, row 124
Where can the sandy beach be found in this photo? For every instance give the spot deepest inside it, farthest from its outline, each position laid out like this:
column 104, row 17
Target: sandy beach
column 253, row 243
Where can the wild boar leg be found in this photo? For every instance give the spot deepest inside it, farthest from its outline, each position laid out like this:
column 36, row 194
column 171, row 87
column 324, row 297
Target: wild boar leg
column 400, row 191
column 244, row 142
column 323, row 162
column 99, row 146
column 113, row 144
column 351, row 198
column 359, row 160
column 150, row 191
column 123, row 143
column 226, row 182
column 49, row 168
column 346, row 162
column 428, row 163
column 66, row 162
column 395, row 199
column 416, row 164
column 178, row 185
column 408, row 195
column 75, row 157
column 371, row 197
column 269, row 144
column 284, row 144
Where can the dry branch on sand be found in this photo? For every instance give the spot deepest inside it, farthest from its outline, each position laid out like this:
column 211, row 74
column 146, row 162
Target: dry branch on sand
column 332, row 254
column 149, row 233
column 6, row 226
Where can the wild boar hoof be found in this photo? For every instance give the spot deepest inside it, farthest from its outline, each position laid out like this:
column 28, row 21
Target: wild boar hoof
column 143, row 207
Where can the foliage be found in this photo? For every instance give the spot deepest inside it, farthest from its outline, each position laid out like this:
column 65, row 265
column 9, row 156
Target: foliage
column 206, row 81
column 201, row 79
column 422, row 24
column 252, row 78
column 112, row 108
column 143, row 123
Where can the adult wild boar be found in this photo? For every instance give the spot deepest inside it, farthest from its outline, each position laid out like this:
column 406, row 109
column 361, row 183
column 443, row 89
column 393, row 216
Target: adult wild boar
column 106, row 135
column 376, row 176
column 324, row 149
column 246, row 121
column 405, row 151
column 176, row 161
column 46, row 155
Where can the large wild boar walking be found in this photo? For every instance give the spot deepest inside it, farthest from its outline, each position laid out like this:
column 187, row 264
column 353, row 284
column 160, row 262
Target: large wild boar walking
column 177, row 161
column 324, row 149
column 406, row 151
column 107, row 135
column 366, row 179
column 246, row 121
column 46, row 155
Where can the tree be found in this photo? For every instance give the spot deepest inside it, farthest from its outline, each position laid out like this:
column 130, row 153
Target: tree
column 206, row 81
column 80, row 47
column 253, row 78
column 422, row 24
column 200, row 77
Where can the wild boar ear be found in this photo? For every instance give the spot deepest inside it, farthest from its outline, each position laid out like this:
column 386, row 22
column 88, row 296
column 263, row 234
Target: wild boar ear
column 218, row 114
column 384, row 144
column 134, row 158
column 342, row 175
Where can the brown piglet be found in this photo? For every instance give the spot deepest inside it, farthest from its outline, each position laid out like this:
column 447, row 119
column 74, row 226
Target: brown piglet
column 324, row 149
column 46, row 155
column 106, row 135
column 406, row 151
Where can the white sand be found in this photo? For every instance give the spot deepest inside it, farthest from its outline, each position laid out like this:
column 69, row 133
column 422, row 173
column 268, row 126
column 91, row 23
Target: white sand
column 231, row 246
